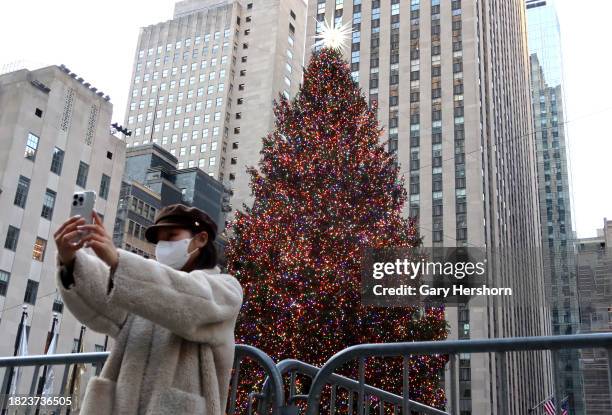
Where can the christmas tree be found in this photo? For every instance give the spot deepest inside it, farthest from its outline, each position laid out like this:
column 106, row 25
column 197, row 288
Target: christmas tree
column 326, row 189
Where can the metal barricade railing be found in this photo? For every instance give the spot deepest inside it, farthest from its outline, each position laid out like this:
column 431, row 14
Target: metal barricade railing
column 294, row 367
column 271, row 397
column 326, row 375
column 273, row 401
column 38, row 361
column 274, row 398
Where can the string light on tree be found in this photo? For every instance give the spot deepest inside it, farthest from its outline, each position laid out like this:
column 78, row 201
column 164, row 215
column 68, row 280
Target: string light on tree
column 325, row 189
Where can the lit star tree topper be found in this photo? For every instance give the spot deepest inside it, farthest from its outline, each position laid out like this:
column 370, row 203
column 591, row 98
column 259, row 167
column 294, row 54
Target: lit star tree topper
column 325, row 189
column 333, row 36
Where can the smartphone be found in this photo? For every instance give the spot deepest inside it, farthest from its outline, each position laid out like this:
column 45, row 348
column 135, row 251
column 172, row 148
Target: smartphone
column 83, row 204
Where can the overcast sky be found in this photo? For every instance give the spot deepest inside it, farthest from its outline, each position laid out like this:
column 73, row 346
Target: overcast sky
column 97, row 39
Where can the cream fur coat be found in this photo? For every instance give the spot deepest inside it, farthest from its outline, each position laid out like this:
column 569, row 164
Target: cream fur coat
column 173, row 332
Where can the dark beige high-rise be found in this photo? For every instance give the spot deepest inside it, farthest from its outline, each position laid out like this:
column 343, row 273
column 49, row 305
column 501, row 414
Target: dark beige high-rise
column 55, row 133
column 451, row 79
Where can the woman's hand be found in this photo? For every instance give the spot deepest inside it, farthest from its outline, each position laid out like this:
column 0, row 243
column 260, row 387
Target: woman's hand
column 65, row 233
column 100, row 241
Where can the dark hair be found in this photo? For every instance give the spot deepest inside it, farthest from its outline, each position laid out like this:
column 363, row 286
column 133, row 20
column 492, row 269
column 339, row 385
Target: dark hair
column 208, row 257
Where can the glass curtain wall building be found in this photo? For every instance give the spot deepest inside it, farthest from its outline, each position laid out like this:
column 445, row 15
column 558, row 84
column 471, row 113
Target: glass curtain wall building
column 558, row 241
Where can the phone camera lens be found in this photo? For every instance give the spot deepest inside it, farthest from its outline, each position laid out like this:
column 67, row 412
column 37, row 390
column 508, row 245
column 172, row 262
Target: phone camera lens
column 75, row 196
column 81, row 199
column 74, row 203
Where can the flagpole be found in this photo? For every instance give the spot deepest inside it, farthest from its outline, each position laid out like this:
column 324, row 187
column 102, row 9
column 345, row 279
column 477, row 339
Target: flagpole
column 43, row 378
column 538, row 405
column 9, row 379
column 74, row 370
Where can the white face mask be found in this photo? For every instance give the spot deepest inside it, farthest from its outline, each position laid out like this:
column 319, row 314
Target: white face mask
column 173, row 253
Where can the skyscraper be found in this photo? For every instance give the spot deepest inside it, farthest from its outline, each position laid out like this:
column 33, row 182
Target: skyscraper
column 203, row 83
column 594, row 275
column 56, row 140
column 544, row 39
column 451, row 80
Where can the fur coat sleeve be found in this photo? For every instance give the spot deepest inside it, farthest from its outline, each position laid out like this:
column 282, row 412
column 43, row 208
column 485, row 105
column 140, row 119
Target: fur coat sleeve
column 85, row 296
column 199, row 306
column 195, row 305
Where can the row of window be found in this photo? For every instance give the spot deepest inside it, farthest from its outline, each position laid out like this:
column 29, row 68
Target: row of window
column 459, row 132
column 179, row 110
column 163, row 86
column 210, row 90
column 185, row 56
column 136, row 230
column 23, row 188
column 437, row 219
column 186, row 122
column 187, row 43
column 288, row 67
column 160, row 100
column 12, row 239
column 175, row 70
column 57, row 162
column 142, row 208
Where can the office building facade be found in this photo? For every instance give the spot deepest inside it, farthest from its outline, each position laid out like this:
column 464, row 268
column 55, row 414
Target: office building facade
column 152, row 181
column 55, row 132
column 203, row 83
column 558, row 243
column 451, row 81
column 594, row 276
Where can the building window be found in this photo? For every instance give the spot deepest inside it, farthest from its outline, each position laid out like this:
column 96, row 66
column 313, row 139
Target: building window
column 462, row 234
column 82, row 174
column 57, row 161
column 31, row 147
column 58, row 306
column 104, row 186
column 48, row 204
column 31, row 292
column 12, row 236
column 39, row 249
column 4, row 282
column 21, row 195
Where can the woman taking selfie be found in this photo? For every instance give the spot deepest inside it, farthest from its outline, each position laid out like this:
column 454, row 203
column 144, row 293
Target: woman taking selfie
column 172, row 319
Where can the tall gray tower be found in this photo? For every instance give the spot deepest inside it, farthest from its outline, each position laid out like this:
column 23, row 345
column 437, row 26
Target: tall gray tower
column 451, row 79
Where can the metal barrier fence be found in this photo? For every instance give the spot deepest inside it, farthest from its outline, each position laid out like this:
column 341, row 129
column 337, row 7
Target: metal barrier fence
column 271, row 397
column 293, row 368
column 37, row 361
column 274, row 399
column 326, row 376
